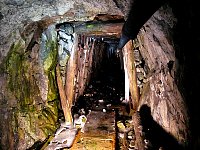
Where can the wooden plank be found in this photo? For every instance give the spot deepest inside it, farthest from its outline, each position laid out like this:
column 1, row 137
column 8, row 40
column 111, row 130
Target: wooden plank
column 100, row 29
column 128, row 52
column 64, row 102
column 132, row 75
column 70, row 74
column 99, row 132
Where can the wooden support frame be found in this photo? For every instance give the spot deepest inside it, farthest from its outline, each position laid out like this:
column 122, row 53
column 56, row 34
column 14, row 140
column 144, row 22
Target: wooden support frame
column 132, row 76
column 64, row 102
column 135, row 96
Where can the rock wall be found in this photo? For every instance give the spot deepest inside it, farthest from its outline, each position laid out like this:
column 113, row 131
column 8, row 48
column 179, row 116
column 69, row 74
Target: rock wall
column 28, row 54
column 160, row 91
column 16, row 15
column 30, row 94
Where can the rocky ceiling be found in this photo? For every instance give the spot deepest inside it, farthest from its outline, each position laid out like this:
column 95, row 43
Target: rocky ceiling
column 18, row 15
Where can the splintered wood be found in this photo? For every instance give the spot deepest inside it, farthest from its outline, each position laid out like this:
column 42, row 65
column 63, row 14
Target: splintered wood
column 84, row 63
column 70, row 73
column 132, row 76
column 64, row 102
column 99, row 132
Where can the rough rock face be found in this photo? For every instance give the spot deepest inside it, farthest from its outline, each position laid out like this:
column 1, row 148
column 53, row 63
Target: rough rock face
column 28, row 52
column 17, row 14
column 161, row 93
column 31, row 94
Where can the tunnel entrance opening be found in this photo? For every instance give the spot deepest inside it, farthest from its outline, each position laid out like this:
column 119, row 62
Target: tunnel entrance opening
column 97, row 87
column 90, row 49
column 105, row 92
column 91, row 82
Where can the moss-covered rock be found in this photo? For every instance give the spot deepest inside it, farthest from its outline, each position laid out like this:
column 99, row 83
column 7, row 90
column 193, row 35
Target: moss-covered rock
column 34, row 118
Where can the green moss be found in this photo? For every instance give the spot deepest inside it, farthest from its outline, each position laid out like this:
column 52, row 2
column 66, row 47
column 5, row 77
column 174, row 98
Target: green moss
column 53, row 106
column 50, row 60
column 90, row 26
column 48, row 129
column 49, row 115
column 53, row 90
column 16, row 68
column 23, row 86
column 47, row 121
column 32, row 108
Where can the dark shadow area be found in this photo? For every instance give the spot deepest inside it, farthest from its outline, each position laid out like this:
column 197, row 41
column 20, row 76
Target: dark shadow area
column 106, row 88
column 186, row 38
column 106, row 85
column 157, row 136
column 38, row 145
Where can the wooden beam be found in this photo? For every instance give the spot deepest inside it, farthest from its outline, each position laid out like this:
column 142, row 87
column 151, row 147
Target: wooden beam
column 100, row 29
column 132, row 76
column 70, row 73
column 64, row 103
column 128, row 52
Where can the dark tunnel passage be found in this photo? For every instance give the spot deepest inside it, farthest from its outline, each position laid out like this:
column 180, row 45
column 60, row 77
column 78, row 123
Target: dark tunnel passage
column 106, row 86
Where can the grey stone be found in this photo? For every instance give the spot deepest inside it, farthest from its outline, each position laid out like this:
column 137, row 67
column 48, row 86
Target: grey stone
column 14, row 2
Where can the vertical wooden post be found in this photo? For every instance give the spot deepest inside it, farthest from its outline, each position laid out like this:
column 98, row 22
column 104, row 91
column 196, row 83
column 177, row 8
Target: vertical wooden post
column 90, row 61
column 64, row 102
column 132, row 76
column 70, row 73
column 127, row 88
column 130, row 65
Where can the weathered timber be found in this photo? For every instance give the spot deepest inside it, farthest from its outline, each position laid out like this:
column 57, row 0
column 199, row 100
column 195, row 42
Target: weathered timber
column 70, row 73
column 99, row 132
column 128, row 52
column 132, row 76
column 84, row 66
column 63, row 99
column 97, row 56
column 90, row 60
column 139, row 142
column 100, row 29
column 126, row 78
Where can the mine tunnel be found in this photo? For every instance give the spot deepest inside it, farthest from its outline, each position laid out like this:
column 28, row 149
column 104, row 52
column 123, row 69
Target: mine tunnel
column 98, row 84
column 98, row 89
column 106, row 77
column 98, row 62
column 110, row 75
